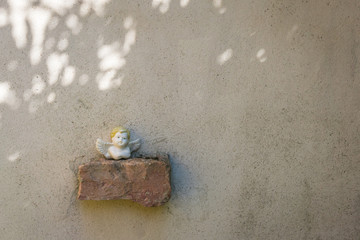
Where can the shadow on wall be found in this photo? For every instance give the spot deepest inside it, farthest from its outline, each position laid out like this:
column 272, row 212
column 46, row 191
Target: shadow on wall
column 59, row 46
column 53, row 28
column 50, row 29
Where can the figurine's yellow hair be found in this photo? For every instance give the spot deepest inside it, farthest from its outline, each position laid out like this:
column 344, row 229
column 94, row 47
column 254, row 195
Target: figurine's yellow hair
column 121, row 130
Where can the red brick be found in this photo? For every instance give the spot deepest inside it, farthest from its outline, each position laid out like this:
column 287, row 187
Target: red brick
column 142, row 180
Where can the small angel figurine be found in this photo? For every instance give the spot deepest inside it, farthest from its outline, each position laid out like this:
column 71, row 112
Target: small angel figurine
column 121, row 147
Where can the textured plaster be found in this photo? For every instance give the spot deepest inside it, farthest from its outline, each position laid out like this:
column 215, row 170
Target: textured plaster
column 256, row 102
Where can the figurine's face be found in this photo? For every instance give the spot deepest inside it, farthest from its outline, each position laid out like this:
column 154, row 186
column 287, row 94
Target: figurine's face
column 120, row 139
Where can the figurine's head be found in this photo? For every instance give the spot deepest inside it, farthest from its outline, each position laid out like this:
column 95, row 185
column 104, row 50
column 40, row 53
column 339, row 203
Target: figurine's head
column 120, row 136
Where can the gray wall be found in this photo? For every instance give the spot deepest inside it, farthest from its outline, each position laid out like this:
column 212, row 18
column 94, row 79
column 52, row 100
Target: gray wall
column 256, row 102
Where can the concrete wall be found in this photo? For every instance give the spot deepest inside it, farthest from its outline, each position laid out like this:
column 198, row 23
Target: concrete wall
column 256, row 102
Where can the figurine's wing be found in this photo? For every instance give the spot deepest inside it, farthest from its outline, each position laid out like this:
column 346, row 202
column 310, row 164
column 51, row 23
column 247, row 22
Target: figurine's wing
column 134, row 145
column 103, row 147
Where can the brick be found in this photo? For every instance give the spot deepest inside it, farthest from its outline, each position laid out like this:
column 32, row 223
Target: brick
column 142, row 180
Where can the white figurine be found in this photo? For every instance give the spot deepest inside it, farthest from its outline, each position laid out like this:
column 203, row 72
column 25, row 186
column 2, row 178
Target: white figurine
column 121, row 147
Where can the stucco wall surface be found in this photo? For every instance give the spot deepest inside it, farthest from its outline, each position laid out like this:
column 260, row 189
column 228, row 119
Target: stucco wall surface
column 257, row 104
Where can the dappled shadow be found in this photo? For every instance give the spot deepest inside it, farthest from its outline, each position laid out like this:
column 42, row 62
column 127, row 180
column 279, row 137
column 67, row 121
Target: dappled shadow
column 57, row 36
column 50, row 32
